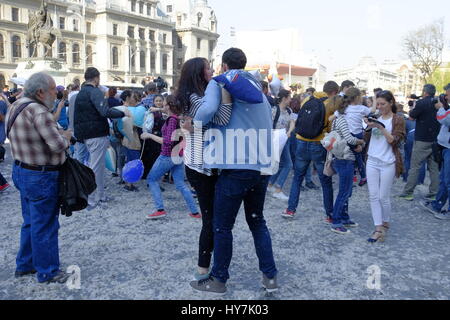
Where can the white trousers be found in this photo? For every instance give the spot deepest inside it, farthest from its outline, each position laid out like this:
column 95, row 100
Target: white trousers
column 380, row 178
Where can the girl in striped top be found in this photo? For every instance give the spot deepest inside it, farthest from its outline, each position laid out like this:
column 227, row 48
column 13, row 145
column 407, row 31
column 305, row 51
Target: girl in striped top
column 345, row 167
column 195, row 76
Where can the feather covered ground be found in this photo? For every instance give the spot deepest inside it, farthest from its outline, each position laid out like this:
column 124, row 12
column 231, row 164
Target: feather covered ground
column 123, row 256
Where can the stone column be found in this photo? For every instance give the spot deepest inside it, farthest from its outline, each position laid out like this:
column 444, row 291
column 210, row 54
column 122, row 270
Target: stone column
column 158, row 63
column 147, row 57
column 137, row 57
column 126, row 60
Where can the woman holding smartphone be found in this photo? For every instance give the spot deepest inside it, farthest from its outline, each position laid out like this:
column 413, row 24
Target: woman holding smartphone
column 384, row 161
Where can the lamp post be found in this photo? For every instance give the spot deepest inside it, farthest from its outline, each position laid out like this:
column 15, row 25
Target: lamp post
column 75, row 10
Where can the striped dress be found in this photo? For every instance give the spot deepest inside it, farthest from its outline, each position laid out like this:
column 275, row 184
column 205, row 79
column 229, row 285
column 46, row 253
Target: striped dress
column 193, row 153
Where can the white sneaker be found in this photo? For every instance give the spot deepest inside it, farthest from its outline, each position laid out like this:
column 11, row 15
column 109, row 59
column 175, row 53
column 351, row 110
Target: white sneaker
column 280, row 195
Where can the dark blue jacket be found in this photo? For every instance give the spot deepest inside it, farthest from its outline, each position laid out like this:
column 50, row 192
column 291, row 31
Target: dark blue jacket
column 427, row 126
column 91, row 114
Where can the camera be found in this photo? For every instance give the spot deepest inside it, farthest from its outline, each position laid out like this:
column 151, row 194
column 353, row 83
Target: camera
column 373, row 115
column 414, row 99
column 161, row 84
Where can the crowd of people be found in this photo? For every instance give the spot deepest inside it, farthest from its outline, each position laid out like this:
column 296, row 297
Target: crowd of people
column 190, row 141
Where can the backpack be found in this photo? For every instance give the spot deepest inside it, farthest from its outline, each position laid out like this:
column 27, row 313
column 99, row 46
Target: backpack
column 311, row 118
column 119, row 136
column 278, row 114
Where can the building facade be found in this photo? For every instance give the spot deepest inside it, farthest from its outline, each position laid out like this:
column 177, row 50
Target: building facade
column 129, row 41
column 195, row 33
column 397, row 76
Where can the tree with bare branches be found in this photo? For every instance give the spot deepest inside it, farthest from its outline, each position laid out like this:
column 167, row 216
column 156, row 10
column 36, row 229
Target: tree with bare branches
column 424, row 47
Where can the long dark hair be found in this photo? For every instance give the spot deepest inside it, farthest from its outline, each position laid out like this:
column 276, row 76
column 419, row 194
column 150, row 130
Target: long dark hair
column 192, row 80
column 389, row 97
column 282, row 94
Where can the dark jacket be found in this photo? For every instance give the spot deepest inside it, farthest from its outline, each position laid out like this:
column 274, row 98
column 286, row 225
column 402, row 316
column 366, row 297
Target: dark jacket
column 76, row 183
column 427, row 127
column 91, row 114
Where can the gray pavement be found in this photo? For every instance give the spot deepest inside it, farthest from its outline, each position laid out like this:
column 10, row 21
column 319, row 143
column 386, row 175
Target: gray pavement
column 123, row 256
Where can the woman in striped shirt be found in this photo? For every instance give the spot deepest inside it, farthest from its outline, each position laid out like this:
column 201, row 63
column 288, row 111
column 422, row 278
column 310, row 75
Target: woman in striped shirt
column 345, row 167
column 195, row 75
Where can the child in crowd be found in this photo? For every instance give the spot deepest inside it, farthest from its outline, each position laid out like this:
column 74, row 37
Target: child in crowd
column 171, row 160
column 354, row 115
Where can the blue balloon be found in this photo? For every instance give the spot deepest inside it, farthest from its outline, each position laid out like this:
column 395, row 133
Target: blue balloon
column 133, row 171
column 138, row 115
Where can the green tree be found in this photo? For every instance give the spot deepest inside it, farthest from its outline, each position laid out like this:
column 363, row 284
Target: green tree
column 441, row 77
column 424, row 47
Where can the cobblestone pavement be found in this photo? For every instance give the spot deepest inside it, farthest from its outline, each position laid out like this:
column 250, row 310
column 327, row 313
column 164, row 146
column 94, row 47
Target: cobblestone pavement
column 123, row 256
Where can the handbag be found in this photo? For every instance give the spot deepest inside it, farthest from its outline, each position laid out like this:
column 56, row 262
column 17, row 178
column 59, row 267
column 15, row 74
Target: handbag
column 76, row 183
column 328, row 169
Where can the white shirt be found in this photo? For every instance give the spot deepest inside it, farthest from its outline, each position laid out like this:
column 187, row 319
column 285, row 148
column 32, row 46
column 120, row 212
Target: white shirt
column 354, row 116
column 379, row 148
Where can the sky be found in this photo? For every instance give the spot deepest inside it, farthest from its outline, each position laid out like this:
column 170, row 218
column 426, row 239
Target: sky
column 338, row 32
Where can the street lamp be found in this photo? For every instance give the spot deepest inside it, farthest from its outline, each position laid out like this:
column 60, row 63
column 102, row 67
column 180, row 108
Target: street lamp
column 75, row 10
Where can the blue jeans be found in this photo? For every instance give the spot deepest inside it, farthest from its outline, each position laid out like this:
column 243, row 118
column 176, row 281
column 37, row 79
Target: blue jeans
column 233, row 188
column 408, row 153
column 345, row 169
column 444, row 186
column 131, row 155
column 308, row 152
column 162, row 165
column 81, row 153
column 39, row 234
column 280, row 177
column 292, row 141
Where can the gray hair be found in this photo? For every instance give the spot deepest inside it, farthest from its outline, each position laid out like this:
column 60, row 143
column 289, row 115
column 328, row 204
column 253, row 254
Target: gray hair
column 430, row 89
column 37, row 81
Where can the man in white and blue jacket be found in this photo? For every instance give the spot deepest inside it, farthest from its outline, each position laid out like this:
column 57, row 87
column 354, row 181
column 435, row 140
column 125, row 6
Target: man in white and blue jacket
column 443, row 116
column 241, row 150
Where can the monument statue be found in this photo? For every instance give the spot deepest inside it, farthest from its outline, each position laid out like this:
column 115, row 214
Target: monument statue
column 40, row 30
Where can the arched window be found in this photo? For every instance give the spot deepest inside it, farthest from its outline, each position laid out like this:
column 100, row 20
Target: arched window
column 2, row 81
column 75, row 53
column 16, row 47
column 152, row 61
column 62, row 51
column 115, row 56
column 142, row 58
column 2, row 46
column 164, row 62
column 89, row 55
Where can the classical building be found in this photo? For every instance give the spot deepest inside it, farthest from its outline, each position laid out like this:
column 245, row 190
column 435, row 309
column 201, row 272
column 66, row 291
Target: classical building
column 129, row 41
column 195, row 33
